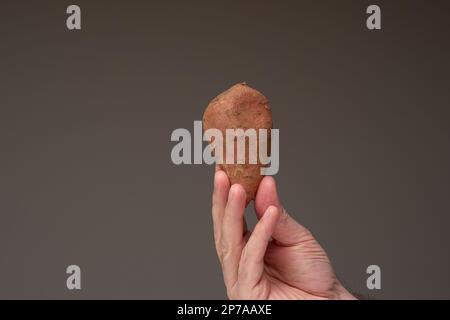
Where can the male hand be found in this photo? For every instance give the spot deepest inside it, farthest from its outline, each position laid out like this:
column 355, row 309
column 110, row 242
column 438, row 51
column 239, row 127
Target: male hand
column 280, row 259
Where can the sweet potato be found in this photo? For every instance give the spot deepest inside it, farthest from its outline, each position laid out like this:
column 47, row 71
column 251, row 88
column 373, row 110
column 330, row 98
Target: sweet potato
column 240, row 107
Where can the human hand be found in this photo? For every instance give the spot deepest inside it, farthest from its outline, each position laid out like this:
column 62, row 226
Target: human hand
column 280, row 259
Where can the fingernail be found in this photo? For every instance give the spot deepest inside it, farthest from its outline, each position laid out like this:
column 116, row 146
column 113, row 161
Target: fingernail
column 268, row 213
column 231, row 194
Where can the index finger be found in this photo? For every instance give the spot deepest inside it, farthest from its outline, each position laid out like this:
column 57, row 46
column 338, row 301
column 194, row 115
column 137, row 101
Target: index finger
column 219, row 201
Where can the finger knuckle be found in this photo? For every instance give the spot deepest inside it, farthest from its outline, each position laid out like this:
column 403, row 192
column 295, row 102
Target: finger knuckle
column 226, row 250
column 284, row 217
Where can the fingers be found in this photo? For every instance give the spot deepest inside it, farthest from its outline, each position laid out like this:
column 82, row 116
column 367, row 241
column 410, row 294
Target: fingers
column 288, row 231
column 219, row 201
column 251, row 265
column 232, row 234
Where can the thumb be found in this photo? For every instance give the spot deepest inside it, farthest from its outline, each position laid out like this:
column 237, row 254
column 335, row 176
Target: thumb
column 288, row 231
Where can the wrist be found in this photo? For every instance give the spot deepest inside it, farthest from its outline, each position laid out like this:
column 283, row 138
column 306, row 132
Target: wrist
column 343, row 294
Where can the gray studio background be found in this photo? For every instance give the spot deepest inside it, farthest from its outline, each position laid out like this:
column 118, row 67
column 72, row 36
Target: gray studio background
column 86, row 117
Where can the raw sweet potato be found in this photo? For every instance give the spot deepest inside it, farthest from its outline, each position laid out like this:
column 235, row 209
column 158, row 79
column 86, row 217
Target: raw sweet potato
column 240, row 107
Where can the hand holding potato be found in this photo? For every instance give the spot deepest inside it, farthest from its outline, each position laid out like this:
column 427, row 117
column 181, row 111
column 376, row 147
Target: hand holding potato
column 280, row 259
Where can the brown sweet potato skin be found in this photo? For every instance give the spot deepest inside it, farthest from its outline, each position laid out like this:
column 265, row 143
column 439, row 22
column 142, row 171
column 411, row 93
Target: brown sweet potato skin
column 240, row 107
